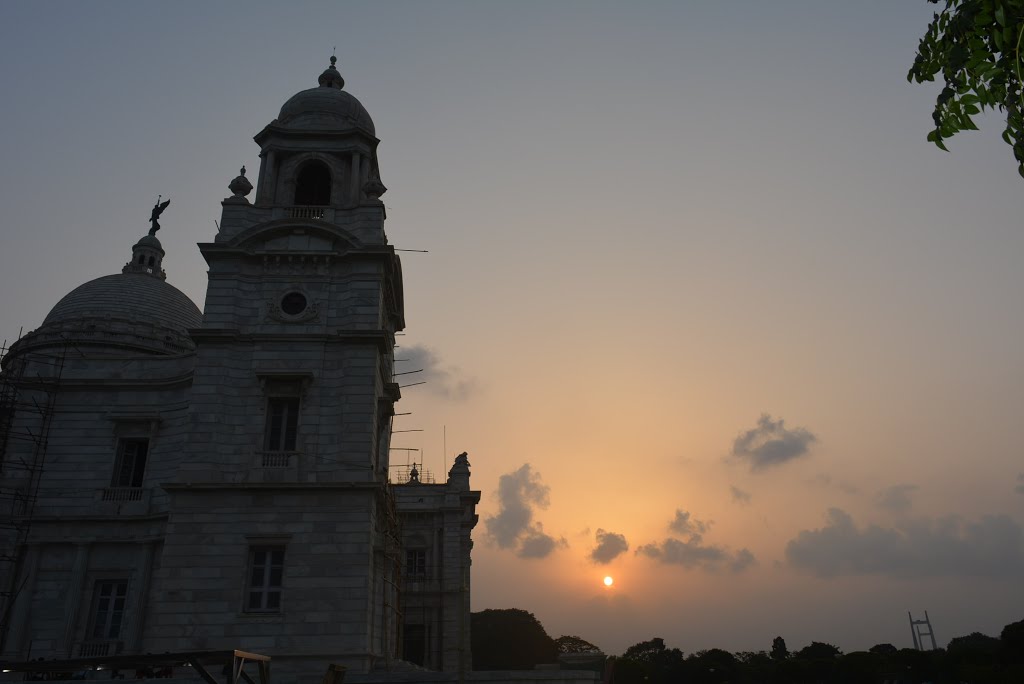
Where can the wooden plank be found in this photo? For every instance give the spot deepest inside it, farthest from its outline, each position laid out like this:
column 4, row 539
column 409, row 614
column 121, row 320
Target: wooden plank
column 198, row 667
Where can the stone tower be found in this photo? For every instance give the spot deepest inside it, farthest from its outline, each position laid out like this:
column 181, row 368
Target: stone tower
column 283, row 482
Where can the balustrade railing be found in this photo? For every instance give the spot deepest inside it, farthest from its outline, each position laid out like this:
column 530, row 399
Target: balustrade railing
column 98, row 649
column 307, row 212
column 122, row 494
column 277, row 459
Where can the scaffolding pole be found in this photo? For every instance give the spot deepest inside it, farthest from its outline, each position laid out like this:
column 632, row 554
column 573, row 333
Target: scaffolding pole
column 29, row 384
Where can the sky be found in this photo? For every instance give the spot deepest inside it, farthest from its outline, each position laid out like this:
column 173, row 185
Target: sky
column 707, row 312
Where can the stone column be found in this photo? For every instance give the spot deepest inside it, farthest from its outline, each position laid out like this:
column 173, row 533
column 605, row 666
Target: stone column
column 356, row 188
column 141, row 598
column 364, row 174
column 270, row 180
column 19, row 628
column 261, row 197
column 73, row 599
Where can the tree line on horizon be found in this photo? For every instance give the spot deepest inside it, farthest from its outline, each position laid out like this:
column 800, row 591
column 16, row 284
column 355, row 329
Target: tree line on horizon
column 514, row 639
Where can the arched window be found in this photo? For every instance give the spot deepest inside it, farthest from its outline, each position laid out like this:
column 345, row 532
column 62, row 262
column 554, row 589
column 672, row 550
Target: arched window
column 313, row 185
column 150, row 261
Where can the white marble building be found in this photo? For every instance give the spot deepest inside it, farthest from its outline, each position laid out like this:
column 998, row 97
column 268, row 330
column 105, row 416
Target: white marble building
column 177, row 480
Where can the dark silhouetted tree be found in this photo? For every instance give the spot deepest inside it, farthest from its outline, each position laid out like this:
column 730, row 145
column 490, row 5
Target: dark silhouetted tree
column 779, row 650
column 818, row 651
column 712, row 665
column 884, row 649
column 574, row 644
column 509, row 639
column 818, row 661
column 974, row 643
column 650, row 662
column 971, row 658
column 1012, row 639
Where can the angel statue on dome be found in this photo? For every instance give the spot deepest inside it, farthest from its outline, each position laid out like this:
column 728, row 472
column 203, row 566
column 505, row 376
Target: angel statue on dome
column 157, row 210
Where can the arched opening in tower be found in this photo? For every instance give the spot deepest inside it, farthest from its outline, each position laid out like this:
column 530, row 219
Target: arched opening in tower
column 313, row 185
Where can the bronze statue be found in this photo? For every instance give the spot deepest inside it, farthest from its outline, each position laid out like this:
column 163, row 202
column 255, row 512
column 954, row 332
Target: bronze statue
column 157, row 210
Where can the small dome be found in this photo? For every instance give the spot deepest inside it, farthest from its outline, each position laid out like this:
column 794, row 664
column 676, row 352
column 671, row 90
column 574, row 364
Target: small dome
column 130, row 297
column 325, row 107
column 149, row 241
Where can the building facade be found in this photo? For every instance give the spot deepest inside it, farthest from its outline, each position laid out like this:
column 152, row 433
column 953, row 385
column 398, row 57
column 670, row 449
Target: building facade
column 176, row 480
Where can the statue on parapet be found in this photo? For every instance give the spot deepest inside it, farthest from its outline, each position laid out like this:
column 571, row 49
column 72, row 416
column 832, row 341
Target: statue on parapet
column 157, row 210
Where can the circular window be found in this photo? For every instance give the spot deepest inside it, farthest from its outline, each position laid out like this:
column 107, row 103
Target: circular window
column 293, row 303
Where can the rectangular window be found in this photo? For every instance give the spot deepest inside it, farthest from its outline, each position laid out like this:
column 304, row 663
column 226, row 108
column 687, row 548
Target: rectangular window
column 266, row 570
column 282, row 423
column 131, row 463
column 416, row 563
column 414, row 648
column 108, row 609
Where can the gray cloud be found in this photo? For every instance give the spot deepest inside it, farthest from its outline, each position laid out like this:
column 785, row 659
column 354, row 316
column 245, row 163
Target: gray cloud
column 896, row 499
column 609, row 546
column 520, row 493
column 738, row 495
column 771, row 444
column 992, row 546
column 1020, row 484
column 693, row 554
column 537, row 544
column 443, row 380
column 686, row 524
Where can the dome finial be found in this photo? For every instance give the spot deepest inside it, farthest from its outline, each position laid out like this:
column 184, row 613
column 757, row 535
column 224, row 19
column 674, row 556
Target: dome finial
column 330, row 78
column 240, row 187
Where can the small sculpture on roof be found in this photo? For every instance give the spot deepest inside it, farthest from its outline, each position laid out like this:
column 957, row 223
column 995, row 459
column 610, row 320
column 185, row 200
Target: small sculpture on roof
column 157, row 210
column 330, row 78
column 240, row 186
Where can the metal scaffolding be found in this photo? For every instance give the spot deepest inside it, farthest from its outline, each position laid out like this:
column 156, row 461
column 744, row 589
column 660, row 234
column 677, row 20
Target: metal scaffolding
column 391, row 634
column 29, row 385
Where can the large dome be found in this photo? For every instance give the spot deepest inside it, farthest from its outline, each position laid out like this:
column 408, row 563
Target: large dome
column 133, row 297
column 127, row 312
column 326, row 107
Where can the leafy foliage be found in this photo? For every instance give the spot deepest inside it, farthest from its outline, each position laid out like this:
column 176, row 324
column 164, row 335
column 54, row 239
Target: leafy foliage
column 515, row 640
column 976, row 47
column 779, row 650
column 649, row 662
column 509, row 639
column 819, row 651
column 568, row 643
column 1012, row 638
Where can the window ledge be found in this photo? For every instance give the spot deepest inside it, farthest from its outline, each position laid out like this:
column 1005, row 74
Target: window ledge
column 261, row 617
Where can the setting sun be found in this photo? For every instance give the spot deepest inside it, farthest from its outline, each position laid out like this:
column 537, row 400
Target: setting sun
column 608, row 581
